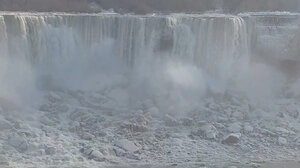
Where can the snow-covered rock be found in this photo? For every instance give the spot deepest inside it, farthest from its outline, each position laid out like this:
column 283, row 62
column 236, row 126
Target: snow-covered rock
column 93, row 154
column 248, row 128
column 282, row 141
column 87, row 136
column 50, row 150
column 170, row 121
column 207, row 130
column 127, row 145
column 96, row 155
column 234, row 128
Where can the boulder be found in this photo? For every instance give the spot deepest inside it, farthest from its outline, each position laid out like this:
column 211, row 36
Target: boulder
column 127, row 145
column 50, row 150
column 232, row 139
column 282, row 141
column 207, row 130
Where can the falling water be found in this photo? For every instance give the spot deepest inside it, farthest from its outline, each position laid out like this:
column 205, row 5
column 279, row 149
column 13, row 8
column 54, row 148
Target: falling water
column 189, row 53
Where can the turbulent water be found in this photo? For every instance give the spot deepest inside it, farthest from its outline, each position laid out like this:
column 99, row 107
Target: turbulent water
column 192, row 54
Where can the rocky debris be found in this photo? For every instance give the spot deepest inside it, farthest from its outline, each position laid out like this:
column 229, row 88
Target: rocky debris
column 232, row 139
column 139, row 124
column 50, row 150
column 143, row 119
column 86, row 135
column 186, row 122
column 74, row 126
column 154, row 140
column 126, row 145
column 48, row 121
column 170, row 121
column 161, row 133
column 119, row 151
column 134, row 127
column 54, row 97
column 93, row 154
column 266, row 132
column 207, row 130
column 54, row 108
column 83, row 115
column 18, row 142
column 282, row 141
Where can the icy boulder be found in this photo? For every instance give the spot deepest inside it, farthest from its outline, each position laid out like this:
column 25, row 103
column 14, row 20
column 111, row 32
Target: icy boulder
column 127, row 145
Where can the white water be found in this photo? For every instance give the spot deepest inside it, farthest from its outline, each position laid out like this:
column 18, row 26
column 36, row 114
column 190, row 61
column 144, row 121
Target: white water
column 181, row 57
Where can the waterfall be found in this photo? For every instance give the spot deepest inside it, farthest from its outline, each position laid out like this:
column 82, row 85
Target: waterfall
column 213, row 42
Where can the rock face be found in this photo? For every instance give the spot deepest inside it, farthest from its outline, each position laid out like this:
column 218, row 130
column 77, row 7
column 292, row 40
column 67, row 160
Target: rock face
column 127, row 145
column 232, row 139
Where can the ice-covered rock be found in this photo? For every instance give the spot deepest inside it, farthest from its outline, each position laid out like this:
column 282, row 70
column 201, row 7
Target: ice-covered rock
column 87, row 136
column 282, row 141
column 232, row 138
column 134, row 127
column 143, row 119
column 234, row 128
column 18, row 142
column 248, row 128
column 96, row 155
column 127, row 145
column 119, row 151
column 93, row 154
column 50, row 150
column 54, row 97
column 86, row 151
column 170, row 121
column 186, row 121
column 207, row 130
